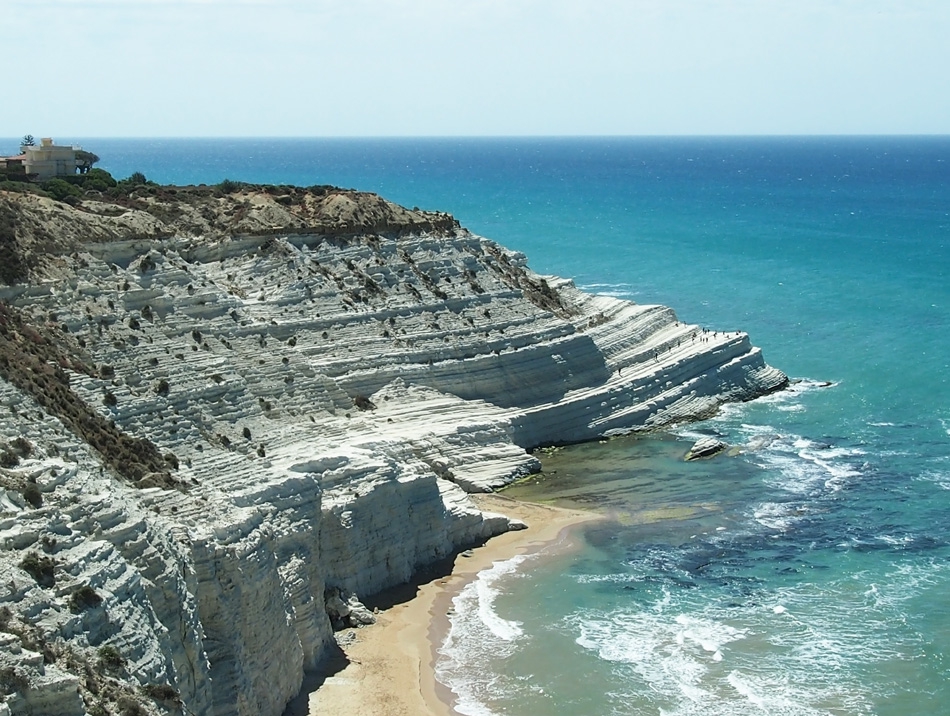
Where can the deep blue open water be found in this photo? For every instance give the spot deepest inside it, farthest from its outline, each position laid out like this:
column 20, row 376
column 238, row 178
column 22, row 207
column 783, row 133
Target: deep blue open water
column 807, row 574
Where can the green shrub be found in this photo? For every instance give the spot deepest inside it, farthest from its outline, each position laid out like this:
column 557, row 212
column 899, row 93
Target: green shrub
column 14, row 265
column 32, row 494
column 134, row 179
column 130, row 707
column 146, row 264
column 110, row 657
column 229, row 186
column 161, row 692
column 60, row 189
column 41, row 568
column 98, row 177
column 364, row 403
column 13, row 183
column 22, row 446
column 83, row 598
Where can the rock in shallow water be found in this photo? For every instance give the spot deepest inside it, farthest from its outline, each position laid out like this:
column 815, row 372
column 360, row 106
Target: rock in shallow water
column 705, row 448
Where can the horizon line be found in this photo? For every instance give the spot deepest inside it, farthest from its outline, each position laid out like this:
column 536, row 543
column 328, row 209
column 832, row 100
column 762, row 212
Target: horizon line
column 830, row 135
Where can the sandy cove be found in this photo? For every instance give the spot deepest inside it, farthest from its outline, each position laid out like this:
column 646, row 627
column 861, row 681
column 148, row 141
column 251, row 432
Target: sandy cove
column 388, row 669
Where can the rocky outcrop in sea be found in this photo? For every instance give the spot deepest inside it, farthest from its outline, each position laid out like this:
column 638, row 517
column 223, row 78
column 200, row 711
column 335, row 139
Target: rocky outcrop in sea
column 222, row 412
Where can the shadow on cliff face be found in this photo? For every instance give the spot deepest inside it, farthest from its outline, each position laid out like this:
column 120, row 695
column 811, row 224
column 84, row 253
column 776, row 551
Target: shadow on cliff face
column 337, row 660
column 313, row 680
column 407, row 591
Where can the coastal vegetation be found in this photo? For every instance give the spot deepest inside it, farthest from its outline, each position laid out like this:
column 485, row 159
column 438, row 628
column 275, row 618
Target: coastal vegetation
column 34, row 358
column 14, row 266
column 93, row 182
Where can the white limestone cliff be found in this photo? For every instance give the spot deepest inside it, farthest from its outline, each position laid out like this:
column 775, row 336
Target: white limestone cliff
column 329, row 401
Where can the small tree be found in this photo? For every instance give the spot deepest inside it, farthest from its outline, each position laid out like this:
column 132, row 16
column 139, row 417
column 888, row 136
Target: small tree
column 85, row 160
column 27, row 141
column 229, row 186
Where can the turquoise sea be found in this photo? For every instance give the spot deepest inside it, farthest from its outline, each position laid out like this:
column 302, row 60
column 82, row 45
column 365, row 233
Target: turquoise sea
column 810, row 572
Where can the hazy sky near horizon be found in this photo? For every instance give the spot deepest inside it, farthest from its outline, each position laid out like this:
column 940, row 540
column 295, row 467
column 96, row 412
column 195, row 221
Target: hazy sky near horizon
column 112, row 68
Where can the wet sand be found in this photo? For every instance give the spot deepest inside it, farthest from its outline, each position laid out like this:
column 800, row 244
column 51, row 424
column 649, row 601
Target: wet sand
column 387, row 668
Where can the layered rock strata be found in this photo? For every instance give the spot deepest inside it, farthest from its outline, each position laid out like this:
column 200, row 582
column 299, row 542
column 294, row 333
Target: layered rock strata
column 329, row 383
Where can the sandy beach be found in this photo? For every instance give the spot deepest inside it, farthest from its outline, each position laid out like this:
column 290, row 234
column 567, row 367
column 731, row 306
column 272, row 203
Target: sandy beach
column 387, row 668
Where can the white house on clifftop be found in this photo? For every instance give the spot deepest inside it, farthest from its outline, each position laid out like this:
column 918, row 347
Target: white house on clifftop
column 46, row 161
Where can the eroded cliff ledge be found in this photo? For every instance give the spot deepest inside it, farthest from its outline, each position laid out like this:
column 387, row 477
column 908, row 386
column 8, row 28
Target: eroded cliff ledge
column 306, row 382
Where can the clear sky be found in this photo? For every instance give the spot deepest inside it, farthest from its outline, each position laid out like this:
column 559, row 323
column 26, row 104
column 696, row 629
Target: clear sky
column 88, row 68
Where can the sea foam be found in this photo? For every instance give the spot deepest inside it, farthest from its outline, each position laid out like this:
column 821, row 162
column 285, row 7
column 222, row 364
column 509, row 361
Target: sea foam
column 477, row 636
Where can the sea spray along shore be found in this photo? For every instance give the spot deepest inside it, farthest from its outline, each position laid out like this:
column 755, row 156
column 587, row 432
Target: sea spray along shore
column 232, row 408
column 382, row 663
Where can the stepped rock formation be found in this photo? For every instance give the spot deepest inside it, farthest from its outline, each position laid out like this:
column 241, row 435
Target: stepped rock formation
column 216, row 409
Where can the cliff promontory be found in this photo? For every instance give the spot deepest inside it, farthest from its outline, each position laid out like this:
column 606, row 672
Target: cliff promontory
column 224, row 413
